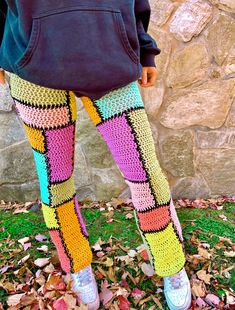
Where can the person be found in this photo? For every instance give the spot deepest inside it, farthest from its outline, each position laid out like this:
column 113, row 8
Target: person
column 111, row 42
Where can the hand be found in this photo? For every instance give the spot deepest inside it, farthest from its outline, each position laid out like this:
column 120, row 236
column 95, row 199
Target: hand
column 2, row 77
column 149, row 77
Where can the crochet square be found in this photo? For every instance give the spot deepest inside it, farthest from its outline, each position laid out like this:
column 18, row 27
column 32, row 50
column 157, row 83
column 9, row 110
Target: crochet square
column 119, row 100
column 36, row 138
column 60, row 152
column 42, row 171
column 167, row 251
column 60, row 192
column 61, row 250
column 49, row 215
column 77, row 244
column 34, row 94
column 119, row 137
column 43, row 118
column 141, row 195
column 155, row 219
column 143, row 134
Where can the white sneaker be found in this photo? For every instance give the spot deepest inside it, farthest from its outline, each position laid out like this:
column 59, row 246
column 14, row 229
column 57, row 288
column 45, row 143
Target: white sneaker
column 85, row 285
column 177, row 291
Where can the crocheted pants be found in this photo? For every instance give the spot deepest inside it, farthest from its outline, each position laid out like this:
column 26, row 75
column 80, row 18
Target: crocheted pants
column 49, row 119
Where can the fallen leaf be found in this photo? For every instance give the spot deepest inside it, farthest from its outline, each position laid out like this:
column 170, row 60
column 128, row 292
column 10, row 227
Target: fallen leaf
column 198, row 288
column 55, row 282
column 21, row 210
column 49, row 268
column 41, row 262
column 204, row 253
column 23, row 240
column 43, row 248
column 40, row 237
column 200, row 302
column 124, row 303
column 202, row 275
column 147, row 269
column 129, row 216
column 28, row 299
column 24, row 259
column 108, row 262
column 100, row 254
column 97, row 247
column 105, row 295
column 70, row 301
column 212, row 300
column 223, row 217
column 27, row 245
column 14, row 300
column 229, row 253
column 60, row 304
column 157, row 302
column 144, row 254
column 132, row 253
column 137, row 293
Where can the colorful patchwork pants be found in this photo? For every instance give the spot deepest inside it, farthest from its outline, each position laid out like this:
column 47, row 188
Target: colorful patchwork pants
column 49, row 119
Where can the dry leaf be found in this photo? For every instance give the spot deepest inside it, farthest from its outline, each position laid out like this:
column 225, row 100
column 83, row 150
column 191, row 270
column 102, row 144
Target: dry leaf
column 202, row 275
column 23, row 240
column 132, row 253
column 27, row 245
column 157, row 302
column 129, row 216
column 212, row 300
column 24, row 259
column 204, row 253
column 40, row 237
column 105, row 295
column 55, row 282
column 147, row 269
column 60, row 304
column 43, row 248
column 137, row 293
column 49, row 268
column 124, row 303
column 97, row 247
column 198, row 288
column 14, row 300
column 229, row 253
column 41, row 262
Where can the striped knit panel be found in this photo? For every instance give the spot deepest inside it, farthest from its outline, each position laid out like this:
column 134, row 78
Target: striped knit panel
column 121, row 119
column 49, row 119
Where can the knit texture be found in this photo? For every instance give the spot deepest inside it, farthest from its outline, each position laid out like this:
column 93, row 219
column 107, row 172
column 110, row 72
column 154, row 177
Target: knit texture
column 49, row 118
column 121, row 119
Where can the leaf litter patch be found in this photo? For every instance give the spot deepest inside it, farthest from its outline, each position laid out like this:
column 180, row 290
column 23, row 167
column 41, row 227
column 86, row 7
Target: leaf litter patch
column 124, row 274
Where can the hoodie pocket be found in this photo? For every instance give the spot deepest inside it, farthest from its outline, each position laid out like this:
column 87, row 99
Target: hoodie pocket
column 79, row 48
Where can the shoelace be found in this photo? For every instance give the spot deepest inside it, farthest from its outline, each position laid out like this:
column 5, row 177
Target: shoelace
column 176, row 279
column 84, row 276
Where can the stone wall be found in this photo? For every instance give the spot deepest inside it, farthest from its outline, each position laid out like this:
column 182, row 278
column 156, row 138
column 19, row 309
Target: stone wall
column 191, row 111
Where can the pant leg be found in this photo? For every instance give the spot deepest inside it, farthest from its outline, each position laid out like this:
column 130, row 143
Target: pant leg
column 49, row 119
column 121, row 119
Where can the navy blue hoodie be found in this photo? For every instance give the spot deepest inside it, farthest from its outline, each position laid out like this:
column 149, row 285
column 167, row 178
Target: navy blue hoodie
column 89, row 46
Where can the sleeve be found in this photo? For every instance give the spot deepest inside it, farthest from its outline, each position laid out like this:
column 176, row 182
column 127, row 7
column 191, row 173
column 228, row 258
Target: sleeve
column 3, row 12
column 148, row 46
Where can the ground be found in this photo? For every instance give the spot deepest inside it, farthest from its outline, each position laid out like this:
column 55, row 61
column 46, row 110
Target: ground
column 31, row 278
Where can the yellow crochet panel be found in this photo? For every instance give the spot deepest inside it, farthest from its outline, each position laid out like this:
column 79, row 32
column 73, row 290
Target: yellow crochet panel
column 157, row 179
column 166, row 250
